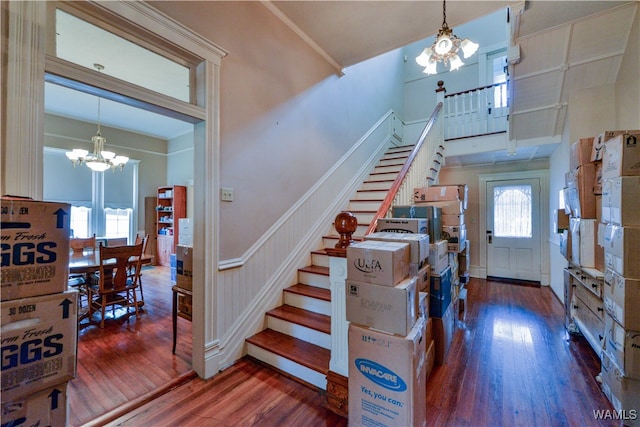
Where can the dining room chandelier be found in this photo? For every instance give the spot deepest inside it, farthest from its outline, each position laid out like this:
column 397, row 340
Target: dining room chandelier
column 445, row 49
column 100, row 160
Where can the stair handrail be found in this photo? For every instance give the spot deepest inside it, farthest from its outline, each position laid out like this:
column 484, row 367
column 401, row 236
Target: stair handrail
column 385, row 207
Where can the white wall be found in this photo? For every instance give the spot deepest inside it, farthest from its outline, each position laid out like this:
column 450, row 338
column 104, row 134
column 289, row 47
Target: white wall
column 180, row 160
column 286, row 117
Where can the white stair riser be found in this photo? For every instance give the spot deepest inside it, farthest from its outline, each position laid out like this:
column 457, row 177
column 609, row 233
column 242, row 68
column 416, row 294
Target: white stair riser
column 378, row 186
column 395, row 160
column 361, row 230
column 286, row 365
column 363, row 205
column 307, row 303
column 298, row 331
column 321, row 260
column 365, row 218
column 388, row 169
column 371, row 195
column 383, row 176
column 312, row 279
column 330, row 242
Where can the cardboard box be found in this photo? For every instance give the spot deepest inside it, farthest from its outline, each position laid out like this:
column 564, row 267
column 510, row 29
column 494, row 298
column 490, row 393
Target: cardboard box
column 597, row 151
column 423, row 278
column 418, row 243
column 580, row 152
column 620, row 250
column 623, row 346
column 440, row 293
column 377, row 262
column 389, row 309
column 454, row 233
column 442, row 193
column 48, row 407
column 580, row 196
column 438, row 258
column 402, row 225
column 184, row 267
column 35, row 248
column 423, row 304
column 585, row 248
column 621, row 156
column 621, row 201
column 39, row 343
column 431, row 213
column 621, row 296
column 566, row 247
column 453, row 220
column 562, row 220
column 450, row 207
column 597, row 184
column 387, row 377
column 443, row 328
column 623, row 392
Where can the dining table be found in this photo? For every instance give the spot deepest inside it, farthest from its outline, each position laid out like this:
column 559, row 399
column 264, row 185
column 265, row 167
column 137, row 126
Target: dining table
column 87, row 262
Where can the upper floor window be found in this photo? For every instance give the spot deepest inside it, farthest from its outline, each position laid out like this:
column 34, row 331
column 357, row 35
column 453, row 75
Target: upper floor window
column 498, row 63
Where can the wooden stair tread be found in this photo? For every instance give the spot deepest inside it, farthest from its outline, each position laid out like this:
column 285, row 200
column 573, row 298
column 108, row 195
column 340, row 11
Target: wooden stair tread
column 316, row 321
column 310, row 291
column 315, row 269
column 302, row 352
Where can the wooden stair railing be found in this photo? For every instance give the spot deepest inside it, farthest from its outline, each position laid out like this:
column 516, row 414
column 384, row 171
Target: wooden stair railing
column 402, row 175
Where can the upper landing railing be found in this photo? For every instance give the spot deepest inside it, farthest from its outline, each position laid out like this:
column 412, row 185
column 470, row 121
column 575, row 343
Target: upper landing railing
column 476, row 112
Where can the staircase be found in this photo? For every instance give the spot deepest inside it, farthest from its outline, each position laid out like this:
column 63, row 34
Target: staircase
column 297, row 338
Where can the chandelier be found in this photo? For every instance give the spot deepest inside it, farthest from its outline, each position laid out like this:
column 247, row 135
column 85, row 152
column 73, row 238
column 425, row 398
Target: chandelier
column 100, row 160
column 445, row 49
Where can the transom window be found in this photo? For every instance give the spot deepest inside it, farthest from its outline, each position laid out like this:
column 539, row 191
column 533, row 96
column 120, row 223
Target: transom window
column 85, row 44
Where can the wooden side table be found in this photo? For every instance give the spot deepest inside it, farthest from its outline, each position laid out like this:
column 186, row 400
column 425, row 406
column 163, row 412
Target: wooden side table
column 175, row 312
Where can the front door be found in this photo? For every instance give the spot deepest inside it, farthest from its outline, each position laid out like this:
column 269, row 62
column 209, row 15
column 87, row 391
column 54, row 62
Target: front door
column 513, row 229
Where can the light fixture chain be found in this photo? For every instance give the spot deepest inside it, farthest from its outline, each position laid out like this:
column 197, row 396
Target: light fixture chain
column 444, row 13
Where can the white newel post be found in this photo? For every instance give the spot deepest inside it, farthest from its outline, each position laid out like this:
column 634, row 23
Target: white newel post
column 339, row 362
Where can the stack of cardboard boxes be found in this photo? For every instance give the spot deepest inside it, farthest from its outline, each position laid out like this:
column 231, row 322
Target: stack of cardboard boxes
column 602, row 282
column 388, row 336
column 39, row 315
column 584, row 308
column 449, row 257
column 621, row 240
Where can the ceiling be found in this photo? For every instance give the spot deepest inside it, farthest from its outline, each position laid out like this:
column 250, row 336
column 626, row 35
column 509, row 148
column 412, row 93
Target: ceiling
column 564, row 46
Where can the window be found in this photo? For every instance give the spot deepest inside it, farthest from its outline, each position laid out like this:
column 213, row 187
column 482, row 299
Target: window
column 512, row 211
column 102, row 203
column 117, row 222
column 83, row 43
column 80, row 221
column 498, row 63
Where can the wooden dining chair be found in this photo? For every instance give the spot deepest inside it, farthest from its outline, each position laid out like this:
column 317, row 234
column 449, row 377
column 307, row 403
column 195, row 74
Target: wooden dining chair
column 144, row 240
column 114, row 286
column 79, row 281
column 79, row 244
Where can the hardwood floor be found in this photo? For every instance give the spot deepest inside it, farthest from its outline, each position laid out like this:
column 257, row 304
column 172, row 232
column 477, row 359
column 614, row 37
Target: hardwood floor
column 511, row 364
column 130, row 359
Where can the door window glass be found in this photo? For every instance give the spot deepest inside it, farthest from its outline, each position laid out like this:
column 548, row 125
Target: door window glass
column 512, row 213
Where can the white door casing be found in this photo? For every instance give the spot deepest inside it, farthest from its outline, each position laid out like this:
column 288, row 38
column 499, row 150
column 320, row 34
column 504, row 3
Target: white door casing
column 540, row 213
column 513, row 229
